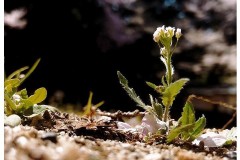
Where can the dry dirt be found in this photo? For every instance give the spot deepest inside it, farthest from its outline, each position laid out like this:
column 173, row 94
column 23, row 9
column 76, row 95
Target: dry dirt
column 63, row 136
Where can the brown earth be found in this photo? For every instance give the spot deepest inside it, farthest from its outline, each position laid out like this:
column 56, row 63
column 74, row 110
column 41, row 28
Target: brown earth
column 64, row 136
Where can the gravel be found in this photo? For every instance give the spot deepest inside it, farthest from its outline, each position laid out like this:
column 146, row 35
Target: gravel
column 27, row 143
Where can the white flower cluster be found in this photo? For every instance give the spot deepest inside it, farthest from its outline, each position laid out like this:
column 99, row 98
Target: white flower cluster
column 167, row 32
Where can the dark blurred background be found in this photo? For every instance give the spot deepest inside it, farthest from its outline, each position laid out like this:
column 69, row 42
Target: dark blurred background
column 83, row 43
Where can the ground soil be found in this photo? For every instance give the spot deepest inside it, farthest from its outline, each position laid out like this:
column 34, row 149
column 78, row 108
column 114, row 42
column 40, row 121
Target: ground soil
column 63, row 136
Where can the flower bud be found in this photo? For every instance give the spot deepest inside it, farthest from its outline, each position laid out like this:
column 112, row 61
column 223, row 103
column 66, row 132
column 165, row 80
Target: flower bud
column 163, row 51
column 178, row 33
column 16, row 98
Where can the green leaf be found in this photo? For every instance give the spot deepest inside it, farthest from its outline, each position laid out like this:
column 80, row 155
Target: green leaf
column 188, row 118
column 13, row 82
column 157, row 107
column 188, row 115
column 25, row 104
column 152, row 85
column 30, row 71
column 89, row 105
column 39, row 95
column 130, row 91
column 172, row 90
column 10, row 104
column 163, row 81
column 35, row 110
column 175, row 132
column 10, row 86
column 17, row 72
column 198, row 127
column 160, row 89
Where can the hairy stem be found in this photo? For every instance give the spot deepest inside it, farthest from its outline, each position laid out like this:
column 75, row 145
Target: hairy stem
column 169, row 69
column 166, row 112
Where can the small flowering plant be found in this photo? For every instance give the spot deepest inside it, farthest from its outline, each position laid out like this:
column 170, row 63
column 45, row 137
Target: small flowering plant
column 186, row 128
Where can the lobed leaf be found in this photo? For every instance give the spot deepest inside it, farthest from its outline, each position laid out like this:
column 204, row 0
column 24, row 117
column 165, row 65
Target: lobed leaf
column 39, row 96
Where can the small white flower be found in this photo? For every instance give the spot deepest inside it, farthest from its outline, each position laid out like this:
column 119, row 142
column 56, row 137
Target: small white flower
column 169, row 32
column 178, row 33
column 157, row 34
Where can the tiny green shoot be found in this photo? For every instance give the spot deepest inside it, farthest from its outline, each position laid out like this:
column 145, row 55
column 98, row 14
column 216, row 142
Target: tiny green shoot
column 17, row 102
column 89, row 109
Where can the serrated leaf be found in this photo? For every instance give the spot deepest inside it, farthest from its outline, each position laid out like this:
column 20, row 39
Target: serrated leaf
column 175, row 132
column 198, row 127
column 124, row 82
column 188, row 114
column 38, row 96
column 172, row 90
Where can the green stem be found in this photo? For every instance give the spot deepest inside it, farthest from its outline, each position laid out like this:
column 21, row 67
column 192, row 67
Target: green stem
column 166, row 113
column 169, row 69
column 169, row 81
column 11, row 106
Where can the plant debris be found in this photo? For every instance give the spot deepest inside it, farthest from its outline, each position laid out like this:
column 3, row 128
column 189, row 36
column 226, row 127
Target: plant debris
column 59, row 135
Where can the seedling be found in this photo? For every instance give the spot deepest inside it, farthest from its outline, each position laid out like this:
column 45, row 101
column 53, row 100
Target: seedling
column 187, row 128
column 90, row 109
column 18, row 103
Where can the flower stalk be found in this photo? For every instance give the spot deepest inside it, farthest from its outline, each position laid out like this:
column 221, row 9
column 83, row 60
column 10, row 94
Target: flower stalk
column 164, row 38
